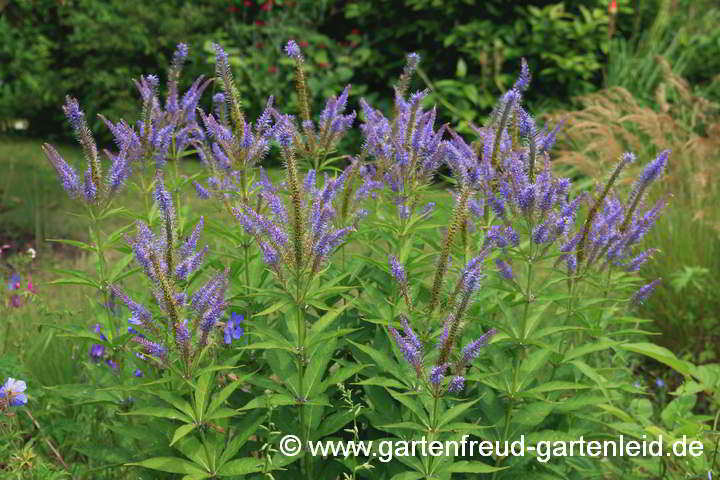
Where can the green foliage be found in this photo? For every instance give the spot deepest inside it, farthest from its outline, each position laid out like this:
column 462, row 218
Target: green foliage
column 317, row 359
column 51, row 49
column 483, row 43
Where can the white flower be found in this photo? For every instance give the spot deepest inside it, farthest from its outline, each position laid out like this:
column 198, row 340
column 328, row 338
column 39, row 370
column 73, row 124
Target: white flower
column 31, row 252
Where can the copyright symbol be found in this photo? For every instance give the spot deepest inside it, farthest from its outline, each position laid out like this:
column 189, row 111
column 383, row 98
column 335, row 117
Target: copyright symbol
column 290, row 445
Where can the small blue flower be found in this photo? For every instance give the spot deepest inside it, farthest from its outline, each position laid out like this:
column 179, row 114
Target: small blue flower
column 111, row 363
column 234, row 329
column 139, row 373
column 660, row 383
column 13, row 390
column 97, row 351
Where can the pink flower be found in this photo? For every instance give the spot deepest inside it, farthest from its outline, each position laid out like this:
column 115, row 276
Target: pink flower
column 613, row 7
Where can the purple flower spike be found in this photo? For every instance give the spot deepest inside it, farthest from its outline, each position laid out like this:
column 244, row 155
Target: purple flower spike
column 397, row 269
column 181, row 53
column 65, row 172
column 472, row 349
column 523, row 81
column 655, row 168
column 293, row 51
column 202, row 192
column 437, row 373
column 74, row 114
column 457, row 384
column 504, row 269
column 644, row 292
column 12, row 390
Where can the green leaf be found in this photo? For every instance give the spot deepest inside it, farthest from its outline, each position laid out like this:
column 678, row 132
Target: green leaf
column 381, row 382
column 160, row 412
column 454, row 412
column 272, row 308
column 120, row 265
column 405, row 426
column 74, row 243
column 661, row 354
column 555, row 386
column 174, row 400
column 464, row 466
column 246, row 427
column 408, row 476
column 220, row 397
column 202, row 393
column 411, row 402
column 267, row 400
column 222, row 412
column 332, row 424
column 588, row 348
column 181, row 431
column 241, row 466
column 326, row 320
column 380, row 359
column 316, row 369
column 171, row 465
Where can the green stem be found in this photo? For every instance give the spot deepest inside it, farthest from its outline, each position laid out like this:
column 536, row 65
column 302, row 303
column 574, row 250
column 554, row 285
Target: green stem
column 300, row 324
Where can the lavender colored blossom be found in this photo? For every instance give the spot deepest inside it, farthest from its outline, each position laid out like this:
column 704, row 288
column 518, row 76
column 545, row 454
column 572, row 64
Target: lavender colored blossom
column 502, row 237
column 164, row 200
column 138, row 373
column 523, row 81
column 13, row 392
column 635, row 263
column 541, row 233
column 140, row 314
column 654, row 169
column 182, row 334
column 457, row 384
column 571, row 263
column 74, row 114
column 293, row 51
column 202, row 192
column 190, row 264
column 472, row 349
column 270, row 255
column 397, row 269
column 181, row 53
column 504, row 269
column 644, row 292
column 152, row 349
column 65, row 172
column 89, row 187
column 409, row 345
column 437, row 373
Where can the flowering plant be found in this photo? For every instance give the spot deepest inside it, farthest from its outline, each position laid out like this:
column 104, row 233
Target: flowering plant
column 493, row 309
